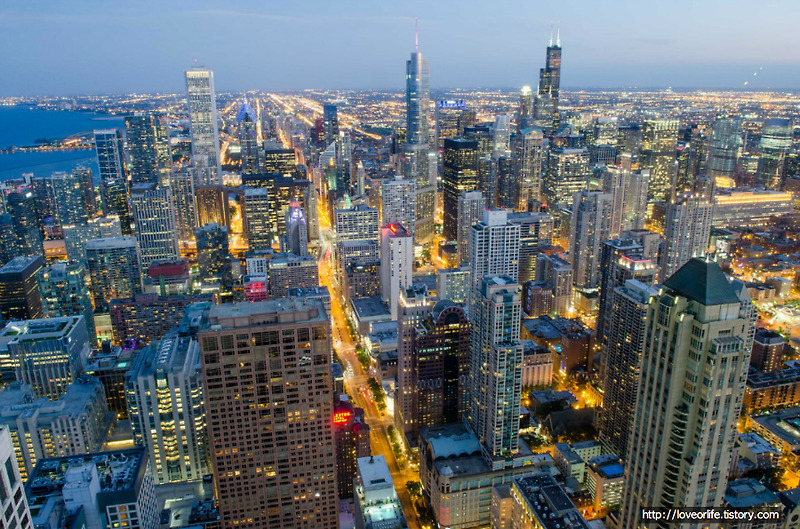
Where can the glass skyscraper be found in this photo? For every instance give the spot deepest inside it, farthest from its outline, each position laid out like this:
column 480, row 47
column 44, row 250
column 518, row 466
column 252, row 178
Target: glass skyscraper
column 203, row 119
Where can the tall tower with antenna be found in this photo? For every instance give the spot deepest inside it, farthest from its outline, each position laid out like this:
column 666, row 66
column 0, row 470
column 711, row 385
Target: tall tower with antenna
column 546, row 107
column 415, row 163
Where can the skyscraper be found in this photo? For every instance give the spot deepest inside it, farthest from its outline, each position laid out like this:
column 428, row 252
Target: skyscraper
column 684, row 422
column 114, row 193
column 247, row 120
column 417, row 99
column 269, row 339
column 629, row 191
column 441, row 343
column 525, row 109
column 213, row 257
column 567, row 173
column 507, row 188
column 86, row 179
column 546, row 103
column 181, row 184
column 110, row 154
column 501, row 134
column 22, row 207
column 470, row 210
column 255, row 216
column 330, row 116
column 296, row 238
column 142, row 148
column 493, row 248
column 76, row 236
column 460, row 175
column 413, row 306
column 114, row 269
column 535, row 233
column 164, row 391
column 620, row 260
column 19, row 293
column 202, row 104
column 397, row 203
column 154, row 217
column 659, row 144
column 687, row 229
column 212, row 205
column 495, row 368
column 448, row 120
column 591, row 226
column 776, row 138
column 397, row 263
column 623, row 344
column 49, row 354
column 416, row 146
column 527, row 151
column 14, row 511
column 68, row 205
column 723, row 147
column 64, row 292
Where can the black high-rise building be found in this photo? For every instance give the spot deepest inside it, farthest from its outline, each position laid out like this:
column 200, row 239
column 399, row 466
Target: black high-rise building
column 141, row 131
column 330, row 122
column 22, row 207
column 116, row 202
column 546, row 103
column 441, row 345
column 460, row 174
column 19, row 292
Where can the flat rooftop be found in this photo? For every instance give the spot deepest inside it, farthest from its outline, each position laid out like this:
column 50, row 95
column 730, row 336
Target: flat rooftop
column 370, row 307
column 275, row 311
column 549, row 502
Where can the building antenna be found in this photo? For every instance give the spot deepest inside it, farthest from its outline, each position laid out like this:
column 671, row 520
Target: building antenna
column 416, row 34
column 551, row 35
column 558, row 36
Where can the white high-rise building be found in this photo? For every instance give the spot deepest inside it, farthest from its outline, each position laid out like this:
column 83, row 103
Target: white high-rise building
column 629, row 189
column 493, row 248
column 591, row 226
column 397, row 203
column 687, row 229
column 527, row 150
column 14, row 511
column 501, row 134
column 156, row 227
column 470, row 208
column 495, row 371
column 164, row 391
column 397, row 263
column 691, row 384
column 204, row 123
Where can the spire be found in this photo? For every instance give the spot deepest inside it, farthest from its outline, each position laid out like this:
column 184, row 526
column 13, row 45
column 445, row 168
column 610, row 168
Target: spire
column 558, row 37
column 416, row 34
column 551, row 36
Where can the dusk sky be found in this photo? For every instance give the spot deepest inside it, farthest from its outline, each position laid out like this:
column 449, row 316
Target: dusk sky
column 69, row 48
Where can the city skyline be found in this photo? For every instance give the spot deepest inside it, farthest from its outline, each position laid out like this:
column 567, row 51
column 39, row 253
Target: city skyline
column 608, row 46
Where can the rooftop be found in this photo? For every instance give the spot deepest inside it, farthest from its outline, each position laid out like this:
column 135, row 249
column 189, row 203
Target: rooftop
column 274, row 311
column 746, row 493
column 21, row 264
column 17, row 401
column 704, row 282
column 370, row 307
column 374, row 471
column 549, row 502
column 118, row 470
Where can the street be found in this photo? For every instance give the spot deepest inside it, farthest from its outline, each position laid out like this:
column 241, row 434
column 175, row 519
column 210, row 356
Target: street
column 356, row 378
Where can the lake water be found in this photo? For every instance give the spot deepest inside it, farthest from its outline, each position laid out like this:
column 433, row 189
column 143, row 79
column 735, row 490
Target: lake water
column 22, row 126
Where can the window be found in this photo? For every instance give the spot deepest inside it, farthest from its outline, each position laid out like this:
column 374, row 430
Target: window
column 12, row 476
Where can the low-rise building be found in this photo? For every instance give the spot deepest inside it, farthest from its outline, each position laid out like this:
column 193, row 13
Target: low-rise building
column 539, row 502
column 537, row 364
column 571, row 458
column 377, row 505
column 604, row 479
column 108, row 489
column 76, row 423
column 772, row 389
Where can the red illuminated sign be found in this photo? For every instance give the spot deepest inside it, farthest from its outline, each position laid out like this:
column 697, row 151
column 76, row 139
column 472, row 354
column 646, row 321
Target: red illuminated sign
column 341, row 417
